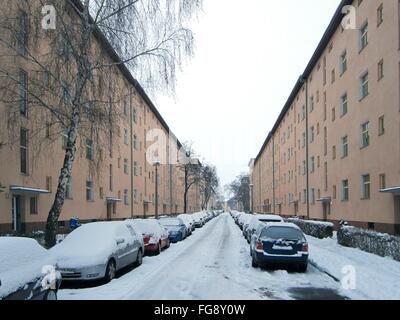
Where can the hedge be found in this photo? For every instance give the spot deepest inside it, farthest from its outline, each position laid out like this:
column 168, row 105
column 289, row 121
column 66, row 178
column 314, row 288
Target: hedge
column 315, row 229
column 380, row 244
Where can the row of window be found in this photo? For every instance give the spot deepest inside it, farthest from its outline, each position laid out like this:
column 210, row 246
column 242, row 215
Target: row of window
column 343, row 66
column 365, row 140
column 365, row 187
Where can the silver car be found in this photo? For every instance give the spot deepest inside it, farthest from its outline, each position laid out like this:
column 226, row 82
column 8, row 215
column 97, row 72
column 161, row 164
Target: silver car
column 98, row 250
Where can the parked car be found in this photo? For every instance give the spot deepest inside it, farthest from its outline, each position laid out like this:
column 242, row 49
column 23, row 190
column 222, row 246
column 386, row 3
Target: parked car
column 243, row 218
column 263, row 218
column 279, row 243
column 176, row 228
column 98, row 250
column 155, row 236
column 189, row 222
column 198, row 219
column 23, row 270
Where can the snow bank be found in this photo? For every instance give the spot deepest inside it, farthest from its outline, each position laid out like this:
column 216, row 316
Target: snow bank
column 381, row 244
column 21, row 262
column 376, row 277
column 317, row 229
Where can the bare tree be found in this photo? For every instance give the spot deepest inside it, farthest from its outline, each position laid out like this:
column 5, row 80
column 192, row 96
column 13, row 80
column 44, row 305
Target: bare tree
column 191, row 168
column 67, row 82
column 209, row 184
column 240, row 190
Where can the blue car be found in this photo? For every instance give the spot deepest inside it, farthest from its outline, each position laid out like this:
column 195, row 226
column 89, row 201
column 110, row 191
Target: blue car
column 176, row 228
column 279, row 244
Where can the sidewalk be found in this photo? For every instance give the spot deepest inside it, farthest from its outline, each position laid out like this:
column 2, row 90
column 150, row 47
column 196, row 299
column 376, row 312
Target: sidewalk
column 376, row 277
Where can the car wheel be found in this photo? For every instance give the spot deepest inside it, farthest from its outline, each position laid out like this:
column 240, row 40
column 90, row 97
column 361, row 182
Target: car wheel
column 254, row 264
column 50, row 295
column 303, row 268
column 139, row 258
column 110, row 271
column 168, row 244
column 158, row 251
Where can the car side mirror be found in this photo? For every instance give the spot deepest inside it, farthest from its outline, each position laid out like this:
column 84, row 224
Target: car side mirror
column 120, row 241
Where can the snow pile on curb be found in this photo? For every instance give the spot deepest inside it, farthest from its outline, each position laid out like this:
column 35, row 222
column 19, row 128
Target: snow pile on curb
column 381, row 244
column 375, row 277
column 316, row 229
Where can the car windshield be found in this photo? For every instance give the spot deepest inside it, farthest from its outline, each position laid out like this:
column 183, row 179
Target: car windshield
column 170, row 222
column 281, row 233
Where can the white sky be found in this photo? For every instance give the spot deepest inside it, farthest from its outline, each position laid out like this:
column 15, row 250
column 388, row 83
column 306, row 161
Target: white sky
column 249, row 54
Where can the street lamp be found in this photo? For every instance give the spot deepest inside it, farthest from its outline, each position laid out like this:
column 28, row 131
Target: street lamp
column 251, row 197
column 156, row 164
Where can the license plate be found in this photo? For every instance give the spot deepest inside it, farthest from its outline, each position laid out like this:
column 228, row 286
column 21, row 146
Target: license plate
column 67, row 271
column 288, row 248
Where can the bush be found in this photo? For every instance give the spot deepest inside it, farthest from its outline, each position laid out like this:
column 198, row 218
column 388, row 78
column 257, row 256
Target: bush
column 315, row 229
column 380, row 244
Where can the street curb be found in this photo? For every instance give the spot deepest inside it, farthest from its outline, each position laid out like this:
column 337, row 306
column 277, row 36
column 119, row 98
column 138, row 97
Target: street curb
column 323, row 270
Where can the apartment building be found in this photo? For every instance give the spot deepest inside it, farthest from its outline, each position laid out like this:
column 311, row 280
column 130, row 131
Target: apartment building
column 334, row 152
column 112, row 178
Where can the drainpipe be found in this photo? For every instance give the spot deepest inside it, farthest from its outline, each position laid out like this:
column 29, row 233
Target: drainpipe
column 305, row 82
column 273, row 176
column 131, row 139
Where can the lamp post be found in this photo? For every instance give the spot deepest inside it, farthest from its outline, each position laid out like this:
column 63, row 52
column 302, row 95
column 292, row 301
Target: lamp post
column 251, row 197
column 156, row 164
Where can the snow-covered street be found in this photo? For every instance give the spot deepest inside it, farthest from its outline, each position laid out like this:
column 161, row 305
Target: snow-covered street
column 213, row 263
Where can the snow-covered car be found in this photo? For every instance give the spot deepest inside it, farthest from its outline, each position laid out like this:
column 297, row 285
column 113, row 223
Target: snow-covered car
column 198, row 219
column 260, row 218
column 242, row 219
column 188, row 221
column 176, row 228
column 155, row 236
column 279, row 244
column 27, row 270
column 98, row 250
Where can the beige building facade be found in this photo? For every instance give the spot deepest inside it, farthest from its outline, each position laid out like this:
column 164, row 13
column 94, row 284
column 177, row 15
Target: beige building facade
column 334, row 152
column 113, row 181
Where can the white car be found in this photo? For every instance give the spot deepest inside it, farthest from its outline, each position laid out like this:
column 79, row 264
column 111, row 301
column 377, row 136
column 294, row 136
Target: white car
column 189, row 222
column 199, row 220
column 98, row 250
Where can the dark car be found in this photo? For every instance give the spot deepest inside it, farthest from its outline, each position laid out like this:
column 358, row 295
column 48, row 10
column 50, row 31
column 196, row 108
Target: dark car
column 27, row 270
column 278, row 244
column 176, row 228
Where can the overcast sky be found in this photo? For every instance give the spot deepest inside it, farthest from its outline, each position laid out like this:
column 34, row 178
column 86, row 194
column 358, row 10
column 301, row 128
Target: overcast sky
column 249, row 54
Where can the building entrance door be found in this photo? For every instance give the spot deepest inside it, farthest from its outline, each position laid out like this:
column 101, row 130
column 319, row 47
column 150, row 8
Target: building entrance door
column 397, row 213
column 109, row 210
column 296, row 208
column 326, row 207
column 16, row 213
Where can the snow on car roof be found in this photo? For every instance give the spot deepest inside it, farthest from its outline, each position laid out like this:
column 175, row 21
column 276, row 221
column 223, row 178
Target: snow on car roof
column 269, row 217
column 148, row 226
column 21, row 262
column 90, row 244
column 283, row 224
